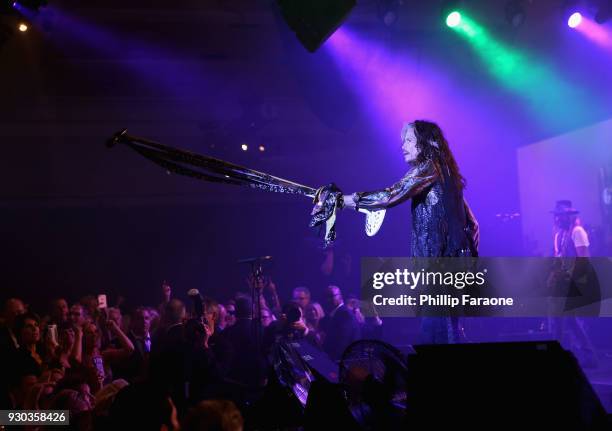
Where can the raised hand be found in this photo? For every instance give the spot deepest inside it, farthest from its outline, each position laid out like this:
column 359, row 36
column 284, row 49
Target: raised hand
column 166, row 291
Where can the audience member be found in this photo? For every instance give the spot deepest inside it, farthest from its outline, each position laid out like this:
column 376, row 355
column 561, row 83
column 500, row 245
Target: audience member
column 246, row 364
column 290, row 326
column 68, row 353
column 135, row 367
column 166, row 292
column 222, row 318
column 77, row 315
column 90, row 306
column 165, row 361
column 339, row 324
column 98, row 362
column 9, row 343
column 266, row 317
column 79, row 405
column 313, row 314
column 168, row 352
column 230, row 308
column 28, row 336
column 59, row 312
column 201, row 373
column 301, row 295
column 213, row 415
column 143, row 406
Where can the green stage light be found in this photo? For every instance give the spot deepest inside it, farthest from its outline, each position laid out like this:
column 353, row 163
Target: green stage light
column 453, row 19
column 552, row 99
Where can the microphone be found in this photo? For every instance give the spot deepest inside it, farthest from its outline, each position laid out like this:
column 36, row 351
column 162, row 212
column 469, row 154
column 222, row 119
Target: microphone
column 112, row 141
column 254, row 259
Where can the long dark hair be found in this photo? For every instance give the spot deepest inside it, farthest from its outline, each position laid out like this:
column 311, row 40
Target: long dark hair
column 433, row 146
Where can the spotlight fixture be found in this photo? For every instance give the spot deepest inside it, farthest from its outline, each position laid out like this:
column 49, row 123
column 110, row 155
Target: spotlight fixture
column 20, row 14
column 262, row 148
column 515, row 13
column 26, row 8
column 31, row 4
column 451, row 12
column 572, row 12
column 574, row 20
column 453, row 19
column 244, row 147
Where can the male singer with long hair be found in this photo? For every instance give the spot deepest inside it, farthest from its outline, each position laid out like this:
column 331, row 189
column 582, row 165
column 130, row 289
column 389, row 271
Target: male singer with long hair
column 442, row 223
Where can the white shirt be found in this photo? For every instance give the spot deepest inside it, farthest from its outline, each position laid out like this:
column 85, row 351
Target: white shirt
column 580, row 238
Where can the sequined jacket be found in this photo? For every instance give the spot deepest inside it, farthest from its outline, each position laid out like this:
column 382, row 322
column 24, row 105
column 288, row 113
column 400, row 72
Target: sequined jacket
column 442, row 222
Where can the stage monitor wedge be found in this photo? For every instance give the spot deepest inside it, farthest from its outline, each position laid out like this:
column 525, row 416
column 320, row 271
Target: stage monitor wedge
column 313, row 21
column 519, row 385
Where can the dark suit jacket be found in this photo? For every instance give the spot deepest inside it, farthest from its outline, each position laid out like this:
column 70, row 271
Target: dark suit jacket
column 246, row 364
column 340, row 331
column 137, row 365
column 7, row 345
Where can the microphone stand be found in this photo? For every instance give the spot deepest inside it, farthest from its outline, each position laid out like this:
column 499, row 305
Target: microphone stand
column 256, row 288
column 257, row 276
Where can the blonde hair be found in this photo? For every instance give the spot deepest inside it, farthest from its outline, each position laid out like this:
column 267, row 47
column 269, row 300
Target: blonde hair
column 317, row 307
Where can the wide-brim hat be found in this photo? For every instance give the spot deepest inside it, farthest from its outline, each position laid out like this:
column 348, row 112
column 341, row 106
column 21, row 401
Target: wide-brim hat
column 564, row 207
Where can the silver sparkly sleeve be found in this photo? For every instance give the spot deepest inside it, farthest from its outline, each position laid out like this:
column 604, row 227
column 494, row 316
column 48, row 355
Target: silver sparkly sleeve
column 413, row 183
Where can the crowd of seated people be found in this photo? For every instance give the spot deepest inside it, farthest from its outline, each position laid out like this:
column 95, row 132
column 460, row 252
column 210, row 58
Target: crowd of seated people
column 164, row 366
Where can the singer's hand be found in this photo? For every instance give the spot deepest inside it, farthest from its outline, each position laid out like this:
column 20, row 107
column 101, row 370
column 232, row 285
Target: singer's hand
column 349, row 201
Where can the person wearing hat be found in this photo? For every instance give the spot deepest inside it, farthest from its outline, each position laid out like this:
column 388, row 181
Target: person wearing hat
column 571, row 240
column 573, row 279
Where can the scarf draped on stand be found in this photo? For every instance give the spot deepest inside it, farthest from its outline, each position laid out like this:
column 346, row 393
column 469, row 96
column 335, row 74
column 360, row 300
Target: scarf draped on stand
column 327, row 199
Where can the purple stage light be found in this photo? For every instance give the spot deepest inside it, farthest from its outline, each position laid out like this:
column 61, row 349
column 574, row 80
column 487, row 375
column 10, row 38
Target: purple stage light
column 595, row 32
column 25, row 11
column 574, row 20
